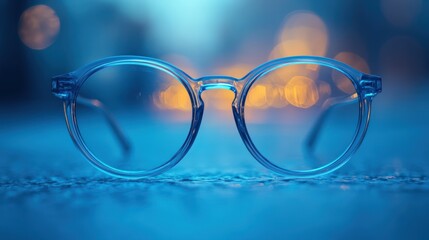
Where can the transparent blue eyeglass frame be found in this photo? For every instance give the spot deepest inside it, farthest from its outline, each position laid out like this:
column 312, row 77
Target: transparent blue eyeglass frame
column 67, row 86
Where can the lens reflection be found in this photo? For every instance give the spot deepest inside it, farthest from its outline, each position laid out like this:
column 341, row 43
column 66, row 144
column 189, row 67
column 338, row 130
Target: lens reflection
column 127, row 113
column 312, row 127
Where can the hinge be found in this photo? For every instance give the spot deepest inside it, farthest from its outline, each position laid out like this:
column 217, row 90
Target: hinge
column 371, row 85
column 63, row 85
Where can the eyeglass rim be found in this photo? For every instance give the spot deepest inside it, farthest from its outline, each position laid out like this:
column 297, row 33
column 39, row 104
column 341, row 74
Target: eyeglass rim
column 80, row 75
column 364, row 111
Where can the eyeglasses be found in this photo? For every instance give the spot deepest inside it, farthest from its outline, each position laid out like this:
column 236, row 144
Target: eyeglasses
column 134, row 117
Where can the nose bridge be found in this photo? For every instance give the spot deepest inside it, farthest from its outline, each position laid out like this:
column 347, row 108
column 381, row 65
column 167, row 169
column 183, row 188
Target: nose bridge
column 217, row 82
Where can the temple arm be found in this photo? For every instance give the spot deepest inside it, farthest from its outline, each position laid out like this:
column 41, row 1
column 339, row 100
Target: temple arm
column 99, row 106
column 327, row 107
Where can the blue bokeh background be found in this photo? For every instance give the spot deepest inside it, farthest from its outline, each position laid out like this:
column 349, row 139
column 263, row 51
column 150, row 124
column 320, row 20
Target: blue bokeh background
column 49, row 191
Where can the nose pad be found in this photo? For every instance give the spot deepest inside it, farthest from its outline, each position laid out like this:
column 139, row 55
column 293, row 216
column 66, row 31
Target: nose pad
column 223, row 88
column 217, row 82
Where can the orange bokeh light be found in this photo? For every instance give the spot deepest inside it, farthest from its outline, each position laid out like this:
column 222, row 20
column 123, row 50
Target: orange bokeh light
column 39, row 25
column 304, row 33
column 257, row 96
column 343, row 82
column 301, row 92
column 175, row 97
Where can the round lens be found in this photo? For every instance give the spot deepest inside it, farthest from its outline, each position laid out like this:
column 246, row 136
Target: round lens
column 302, row 117
column 133, row 117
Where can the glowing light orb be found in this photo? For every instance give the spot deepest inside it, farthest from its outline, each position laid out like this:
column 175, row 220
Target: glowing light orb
column 301, row 92
column 341, row 81
column 175, row 97
column 38, row 27
column 304, row 33
column 257, row 96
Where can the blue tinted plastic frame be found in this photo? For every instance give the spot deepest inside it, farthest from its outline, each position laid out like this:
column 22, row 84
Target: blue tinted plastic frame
column 67, row 86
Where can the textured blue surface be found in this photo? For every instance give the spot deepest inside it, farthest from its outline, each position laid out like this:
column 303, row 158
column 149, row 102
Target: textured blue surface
column 216, row 206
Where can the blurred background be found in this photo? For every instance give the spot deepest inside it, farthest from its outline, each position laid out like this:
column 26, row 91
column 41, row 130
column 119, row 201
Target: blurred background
column 41, row 39
column 44, row 38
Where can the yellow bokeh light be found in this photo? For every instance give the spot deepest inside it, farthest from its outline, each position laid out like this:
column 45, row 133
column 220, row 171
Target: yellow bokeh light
column 343, row 82
column 175, row 97
column 257, row 96
column 280, row 76
column 290, row 48
column 301, row 92
column 267, row 92
column 275, row 96
column 304, row 33
column 39, row 25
